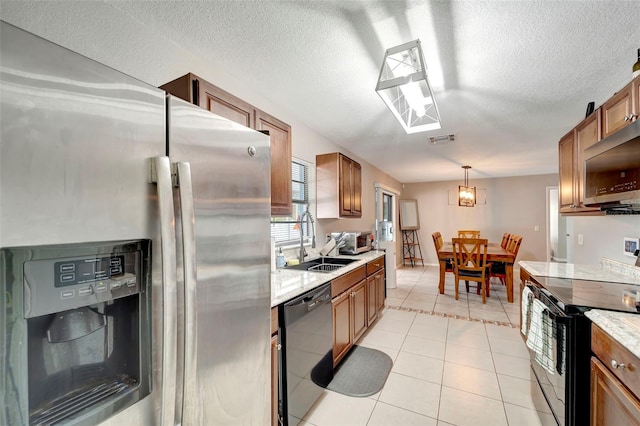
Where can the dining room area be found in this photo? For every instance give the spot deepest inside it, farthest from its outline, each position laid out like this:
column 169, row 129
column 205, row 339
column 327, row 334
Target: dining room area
column 474, row 280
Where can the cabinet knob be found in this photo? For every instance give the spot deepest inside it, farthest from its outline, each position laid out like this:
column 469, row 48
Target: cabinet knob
column 615, row 364
column 630, row 117
column 279, row 346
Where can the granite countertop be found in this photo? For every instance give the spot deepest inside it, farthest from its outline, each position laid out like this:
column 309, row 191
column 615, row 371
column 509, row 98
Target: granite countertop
column 289, row 283
column 607, row 271
column 618, row 326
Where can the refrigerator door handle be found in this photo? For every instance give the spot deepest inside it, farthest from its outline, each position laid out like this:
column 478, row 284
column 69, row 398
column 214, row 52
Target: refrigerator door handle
column 187, row 214
column 161, row 175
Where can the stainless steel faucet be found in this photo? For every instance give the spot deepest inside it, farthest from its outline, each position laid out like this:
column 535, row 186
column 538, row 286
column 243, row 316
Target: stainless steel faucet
column 308, row 217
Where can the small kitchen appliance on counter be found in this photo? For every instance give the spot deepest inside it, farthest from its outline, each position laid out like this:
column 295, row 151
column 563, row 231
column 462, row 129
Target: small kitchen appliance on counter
column 355, row 242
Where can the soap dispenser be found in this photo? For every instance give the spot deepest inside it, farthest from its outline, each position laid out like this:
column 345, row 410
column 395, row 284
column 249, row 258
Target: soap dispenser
column 280, row 259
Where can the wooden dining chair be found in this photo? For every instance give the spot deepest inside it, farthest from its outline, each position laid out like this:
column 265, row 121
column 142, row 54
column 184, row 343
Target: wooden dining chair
column 470, row 263
column 499, row 269
column 506, row 237
column 438, row 242
column 468, row 234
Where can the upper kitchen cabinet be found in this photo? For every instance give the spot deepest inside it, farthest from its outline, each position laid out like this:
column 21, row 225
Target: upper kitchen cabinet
column 280, row 134
column 339, row 186
column 571, row 162
column 621, row 109
column 204, row 94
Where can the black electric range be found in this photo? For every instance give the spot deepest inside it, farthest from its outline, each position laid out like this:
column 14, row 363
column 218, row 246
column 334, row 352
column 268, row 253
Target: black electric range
column 565, row 391
column 577, row 293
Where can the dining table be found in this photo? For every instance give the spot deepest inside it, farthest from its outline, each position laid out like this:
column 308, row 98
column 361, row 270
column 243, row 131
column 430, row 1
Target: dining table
column 495, row 253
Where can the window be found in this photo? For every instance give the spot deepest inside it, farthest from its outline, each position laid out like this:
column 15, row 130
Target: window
column 286, row 230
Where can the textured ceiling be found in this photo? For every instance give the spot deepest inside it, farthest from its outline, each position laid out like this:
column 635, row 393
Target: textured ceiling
column 510, row 77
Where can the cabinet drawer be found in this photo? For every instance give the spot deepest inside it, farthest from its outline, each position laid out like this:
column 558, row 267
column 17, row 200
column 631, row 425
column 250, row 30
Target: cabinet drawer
column 374, row 265
column 609, row 350
column 343, row 283
column 274, row 320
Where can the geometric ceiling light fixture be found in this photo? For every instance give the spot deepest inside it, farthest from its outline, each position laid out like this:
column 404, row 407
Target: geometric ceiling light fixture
column 466, row 193
column 404, row 87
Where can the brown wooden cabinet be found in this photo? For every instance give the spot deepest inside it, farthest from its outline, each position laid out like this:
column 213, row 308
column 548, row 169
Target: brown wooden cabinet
column 620, row 110
column 338, row 186
column 359, row 321
column 571, row 161
column 280, row 134
column 567, row 182
column 349, row 305
column 358, row 297
column 614, row 391
column 204, row 94
column 616, row 113
column 342, row 337
column 372, row 303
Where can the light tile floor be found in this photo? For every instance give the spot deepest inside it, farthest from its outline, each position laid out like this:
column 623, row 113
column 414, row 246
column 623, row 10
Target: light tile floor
column 450, row 368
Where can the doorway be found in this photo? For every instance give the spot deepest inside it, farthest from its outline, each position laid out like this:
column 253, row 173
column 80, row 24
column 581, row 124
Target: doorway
column 558, row 233
column 385, row 228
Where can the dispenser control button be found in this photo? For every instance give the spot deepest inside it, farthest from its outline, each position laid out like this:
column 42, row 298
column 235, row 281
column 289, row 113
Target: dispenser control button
column 85, row 291
column 116, row 270
column 100, row 287
column 67, row 277
column 67, row 267
column 116, row 285
column 67, row 294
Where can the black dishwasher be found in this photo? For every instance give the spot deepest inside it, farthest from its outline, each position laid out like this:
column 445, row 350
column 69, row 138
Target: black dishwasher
column 307, row 337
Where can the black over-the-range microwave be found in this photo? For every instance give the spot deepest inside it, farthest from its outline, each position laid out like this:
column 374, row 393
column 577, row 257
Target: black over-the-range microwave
column 612, row 171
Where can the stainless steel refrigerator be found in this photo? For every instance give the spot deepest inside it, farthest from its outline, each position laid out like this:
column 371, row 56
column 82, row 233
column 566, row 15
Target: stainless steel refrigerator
column 134, row 235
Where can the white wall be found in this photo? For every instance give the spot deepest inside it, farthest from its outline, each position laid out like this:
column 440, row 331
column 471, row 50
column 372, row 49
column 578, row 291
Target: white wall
column 603, row 237
column 515, row 205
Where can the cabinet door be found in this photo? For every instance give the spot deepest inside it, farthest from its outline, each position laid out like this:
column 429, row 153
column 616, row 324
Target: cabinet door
column 224, row 104
column 566, row 162
column 587, row 134
column 379, row 277
column 611, row 402
column 280, row 134
column 356, row 190
column 346, row 184
column 359, row 309
column 616, row 111
column 372, row 305
column 275, row 348
column 342, row 337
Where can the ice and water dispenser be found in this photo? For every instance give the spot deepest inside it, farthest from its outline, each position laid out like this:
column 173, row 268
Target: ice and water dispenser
column 75, row 331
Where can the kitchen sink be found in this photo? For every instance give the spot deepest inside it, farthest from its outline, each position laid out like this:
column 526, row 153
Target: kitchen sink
column 323, row 264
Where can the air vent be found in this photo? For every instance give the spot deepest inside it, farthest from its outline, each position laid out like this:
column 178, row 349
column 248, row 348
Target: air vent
column 442, row 139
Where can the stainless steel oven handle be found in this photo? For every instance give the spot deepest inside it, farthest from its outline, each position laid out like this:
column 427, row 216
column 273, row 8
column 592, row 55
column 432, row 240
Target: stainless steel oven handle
column 161, row 176
column 187, row 215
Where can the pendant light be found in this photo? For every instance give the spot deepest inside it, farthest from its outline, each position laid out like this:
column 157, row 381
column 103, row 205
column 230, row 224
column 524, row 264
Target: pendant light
column 405, row 89
column 466, row 193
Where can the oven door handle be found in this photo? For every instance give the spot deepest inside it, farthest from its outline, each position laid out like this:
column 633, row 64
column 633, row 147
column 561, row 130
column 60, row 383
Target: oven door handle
column 559, row 318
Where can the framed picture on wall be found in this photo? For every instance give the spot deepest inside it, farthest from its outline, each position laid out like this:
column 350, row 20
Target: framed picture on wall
column 631, row 245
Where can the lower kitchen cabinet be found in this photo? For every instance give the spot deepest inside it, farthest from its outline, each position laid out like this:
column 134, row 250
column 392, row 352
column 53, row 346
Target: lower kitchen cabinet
column 349, row 319
column 615, row 382
column 358, row 298
column 342, row 337
column 611, row 402
column 359, row 305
